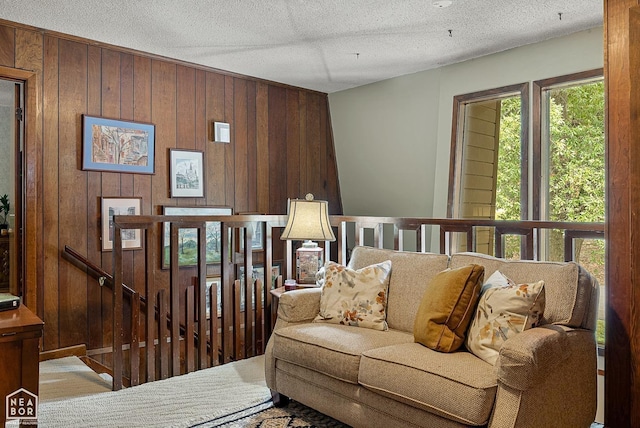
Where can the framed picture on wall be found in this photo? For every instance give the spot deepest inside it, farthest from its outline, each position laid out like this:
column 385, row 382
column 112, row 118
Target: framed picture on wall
column 188, row 238
column 117, row 145
column 131, row 238
column 187, row 173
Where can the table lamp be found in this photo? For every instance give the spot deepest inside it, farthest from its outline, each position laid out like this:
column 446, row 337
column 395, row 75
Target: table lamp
column 308, row 221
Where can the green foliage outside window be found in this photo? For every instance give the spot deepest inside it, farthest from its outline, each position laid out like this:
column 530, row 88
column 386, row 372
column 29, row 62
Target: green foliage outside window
column 576, row 187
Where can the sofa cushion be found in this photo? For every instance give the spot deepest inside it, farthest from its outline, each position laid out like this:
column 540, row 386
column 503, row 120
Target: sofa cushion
column 570, row 291
column 355, row 297
column 503, row 311
column 447, row 306
column 332, row 349
column 457, row 386
column 406, row 286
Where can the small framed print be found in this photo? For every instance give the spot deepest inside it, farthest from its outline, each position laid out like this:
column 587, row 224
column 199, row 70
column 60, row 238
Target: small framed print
column 187, row 173
column 131, row 238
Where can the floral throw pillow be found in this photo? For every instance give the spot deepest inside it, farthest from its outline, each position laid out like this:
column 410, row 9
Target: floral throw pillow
column 505, row 309
column 355, row 297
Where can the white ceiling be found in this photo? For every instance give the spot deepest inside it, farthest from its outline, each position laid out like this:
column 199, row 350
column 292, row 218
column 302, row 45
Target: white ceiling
column 325, row 45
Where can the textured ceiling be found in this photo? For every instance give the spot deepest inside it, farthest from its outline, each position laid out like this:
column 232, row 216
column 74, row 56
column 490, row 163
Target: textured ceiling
column 325, row 45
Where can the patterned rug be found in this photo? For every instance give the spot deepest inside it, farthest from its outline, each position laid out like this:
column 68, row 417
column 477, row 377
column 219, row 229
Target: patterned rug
column 294, row 415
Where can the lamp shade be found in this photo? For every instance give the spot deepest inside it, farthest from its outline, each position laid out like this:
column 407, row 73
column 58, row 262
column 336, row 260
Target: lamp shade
column 308, row 220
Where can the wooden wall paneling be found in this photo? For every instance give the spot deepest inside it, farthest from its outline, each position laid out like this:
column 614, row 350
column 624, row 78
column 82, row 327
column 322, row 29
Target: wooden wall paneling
column 50, row 155
column 334, row 199
column 200, row 121
column 321, row 183
column 185, row 116
column 31, row 57
column 278, row 161
column 126, row 180
column 142, row 182
column 252, row 150
column 293, row 145
column 241, row 171
column 215, row 154
column 163, row 114
column 229, row 158
column 110, row 181
column 304, row 148
column 94, row 189
column 313, row 160
column 7, row 46
column 634, row 183
column 72, row 190
column 619, row 379
column 262, row 148
column 126, row 113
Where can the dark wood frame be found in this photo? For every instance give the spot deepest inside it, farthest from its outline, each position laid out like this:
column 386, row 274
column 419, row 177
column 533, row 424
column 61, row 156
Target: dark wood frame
column 87, row 145
column 459, row 101
column 538, row 87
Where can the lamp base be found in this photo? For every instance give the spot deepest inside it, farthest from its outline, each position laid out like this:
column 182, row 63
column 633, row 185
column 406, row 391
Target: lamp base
column 308, row 262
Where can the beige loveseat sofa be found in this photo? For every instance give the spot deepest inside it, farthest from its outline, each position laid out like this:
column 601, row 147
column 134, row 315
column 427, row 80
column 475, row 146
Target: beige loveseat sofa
column 544, row 376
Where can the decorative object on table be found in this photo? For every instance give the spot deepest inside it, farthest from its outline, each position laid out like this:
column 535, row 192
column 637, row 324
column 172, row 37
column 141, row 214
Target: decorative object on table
column 188, row 238
column 131, row 238
column 308, row 221
column 221, row 132
column 5, row 207
column 117, row 145
column 187, row 173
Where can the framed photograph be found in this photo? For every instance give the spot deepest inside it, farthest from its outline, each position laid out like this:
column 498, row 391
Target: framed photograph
column 210, row 281
column 258, row 234
column 131, row 238
column 187, row 173
column 188, row 238
column 117, row 145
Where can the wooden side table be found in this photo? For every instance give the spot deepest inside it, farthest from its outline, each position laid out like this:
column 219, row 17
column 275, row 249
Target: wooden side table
column 20, row 333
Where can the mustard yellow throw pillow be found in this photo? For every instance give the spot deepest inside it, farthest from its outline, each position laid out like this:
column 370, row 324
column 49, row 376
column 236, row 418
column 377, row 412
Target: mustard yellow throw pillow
column 355, row 297
column 504, row 311
column 446, row 308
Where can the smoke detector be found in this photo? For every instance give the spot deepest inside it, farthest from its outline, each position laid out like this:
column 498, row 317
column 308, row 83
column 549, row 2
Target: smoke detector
column 441, row 3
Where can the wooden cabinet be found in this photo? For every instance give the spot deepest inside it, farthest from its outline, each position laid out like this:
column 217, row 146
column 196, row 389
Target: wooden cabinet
column 5, row 263
column 20, row 333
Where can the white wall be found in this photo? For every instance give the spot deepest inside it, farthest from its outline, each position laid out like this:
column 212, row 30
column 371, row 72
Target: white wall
column 393, row 138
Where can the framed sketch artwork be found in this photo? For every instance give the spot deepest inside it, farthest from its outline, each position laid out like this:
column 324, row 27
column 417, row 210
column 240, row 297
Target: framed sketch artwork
column 117, row 145
column 131, row 238
column 187, row 173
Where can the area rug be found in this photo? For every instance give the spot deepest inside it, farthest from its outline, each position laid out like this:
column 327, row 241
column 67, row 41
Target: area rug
column 294, row 415
column 181, row 401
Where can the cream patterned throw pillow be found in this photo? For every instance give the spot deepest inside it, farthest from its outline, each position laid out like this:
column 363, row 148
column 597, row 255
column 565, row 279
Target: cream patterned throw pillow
column 504, row 310
column 355, row 297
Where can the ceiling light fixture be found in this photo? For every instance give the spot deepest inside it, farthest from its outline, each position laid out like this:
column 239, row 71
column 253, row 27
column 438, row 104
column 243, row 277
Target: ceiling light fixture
column 441, row 3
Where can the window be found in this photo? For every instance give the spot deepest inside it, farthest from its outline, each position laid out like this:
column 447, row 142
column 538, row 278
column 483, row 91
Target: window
column 489, row 147
column 490, row 163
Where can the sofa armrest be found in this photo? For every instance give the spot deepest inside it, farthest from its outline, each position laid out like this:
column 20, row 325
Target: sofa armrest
column 299, row 305
column 527, row 358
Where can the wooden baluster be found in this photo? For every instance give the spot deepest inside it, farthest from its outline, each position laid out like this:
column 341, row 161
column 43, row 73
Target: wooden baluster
column 163, row 335
column 189, row 338
column 134, row 353
column 214, row 337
